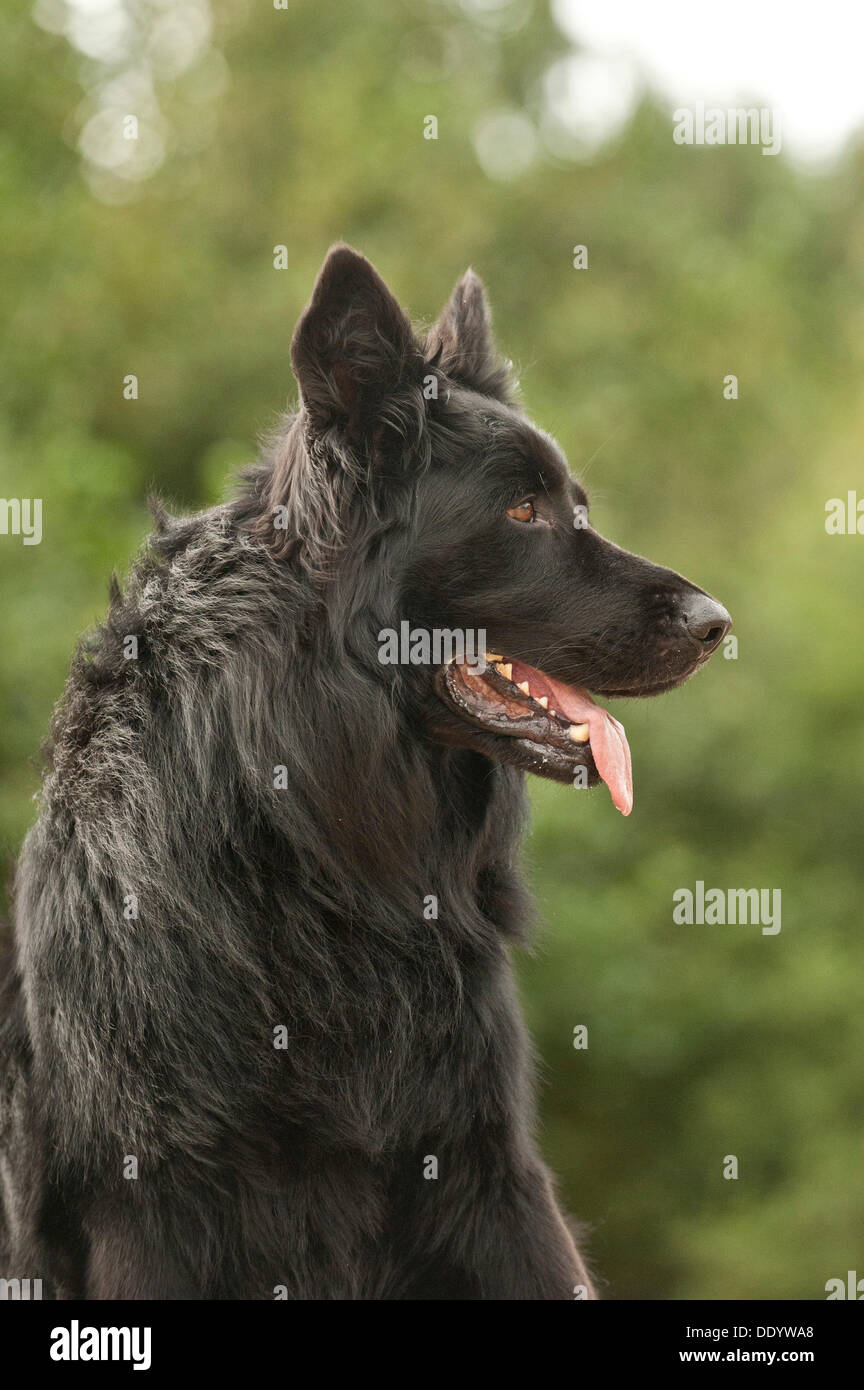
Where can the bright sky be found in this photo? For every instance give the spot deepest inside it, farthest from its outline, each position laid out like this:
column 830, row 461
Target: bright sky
column 805, row 62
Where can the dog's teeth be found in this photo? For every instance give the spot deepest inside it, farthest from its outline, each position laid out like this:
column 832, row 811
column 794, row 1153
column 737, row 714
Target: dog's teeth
column 544, row 701
column 523, row 686
column 506, row 670
column 555, row 712
column 580, row 733
column 492, row 656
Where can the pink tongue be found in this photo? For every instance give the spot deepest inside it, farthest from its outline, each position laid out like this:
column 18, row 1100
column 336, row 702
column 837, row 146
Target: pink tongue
column 609, row 745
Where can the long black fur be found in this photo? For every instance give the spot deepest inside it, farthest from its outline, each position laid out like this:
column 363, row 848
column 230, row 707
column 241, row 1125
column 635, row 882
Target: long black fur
column 300, row 1161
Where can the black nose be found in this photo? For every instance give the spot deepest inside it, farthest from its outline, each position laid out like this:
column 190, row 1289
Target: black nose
column 706, row 620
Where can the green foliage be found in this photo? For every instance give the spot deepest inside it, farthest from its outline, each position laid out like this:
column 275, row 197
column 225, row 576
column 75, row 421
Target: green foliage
column 703, row 1041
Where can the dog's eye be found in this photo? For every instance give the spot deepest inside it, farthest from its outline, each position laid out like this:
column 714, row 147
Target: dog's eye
column 523, row 511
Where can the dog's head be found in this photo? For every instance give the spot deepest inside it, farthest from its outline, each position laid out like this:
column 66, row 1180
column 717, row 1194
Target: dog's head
column 506, row 607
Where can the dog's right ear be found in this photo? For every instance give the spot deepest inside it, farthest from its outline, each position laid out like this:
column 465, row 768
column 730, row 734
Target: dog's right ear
column 353, row 347
column 461, row 341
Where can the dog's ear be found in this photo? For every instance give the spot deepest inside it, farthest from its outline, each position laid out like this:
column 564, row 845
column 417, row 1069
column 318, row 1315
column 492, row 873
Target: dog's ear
column 353, row 347
column 462, row 340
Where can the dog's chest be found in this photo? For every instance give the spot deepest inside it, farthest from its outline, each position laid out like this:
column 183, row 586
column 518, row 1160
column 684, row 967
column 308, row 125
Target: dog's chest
column 388, row 1045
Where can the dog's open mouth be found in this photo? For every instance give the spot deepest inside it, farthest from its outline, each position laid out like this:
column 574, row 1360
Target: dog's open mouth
column 559, row 727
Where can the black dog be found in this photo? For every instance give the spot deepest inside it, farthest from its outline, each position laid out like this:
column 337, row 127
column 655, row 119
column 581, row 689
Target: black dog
column 261, row 1032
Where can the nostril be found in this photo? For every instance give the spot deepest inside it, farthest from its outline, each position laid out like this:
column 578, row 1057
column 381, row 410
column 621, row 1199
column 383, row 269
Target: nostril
column 712, row 636
column 707, row 621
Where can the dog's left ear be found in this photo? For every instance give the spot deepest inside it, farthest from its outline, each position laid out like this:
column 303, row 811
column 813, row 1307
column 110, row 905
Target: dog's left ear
column 462, row 338
column 353, row 348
